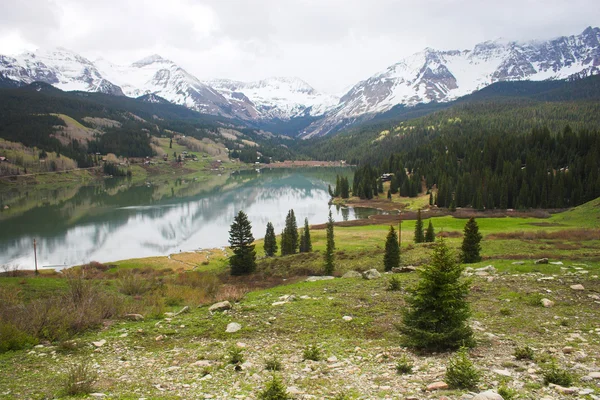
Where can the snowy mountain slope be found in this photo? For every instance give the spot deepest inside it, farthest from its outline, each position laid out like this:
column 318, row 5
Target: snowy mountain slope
column 277, row 98
column 441, row 76
column 59, row 67
column 156, row 75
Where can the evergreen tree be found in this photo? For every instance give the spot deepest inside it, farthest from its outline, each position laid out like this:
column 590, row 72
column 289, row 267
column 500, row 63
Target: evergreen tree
column 305, row 242
column 345, row 190
column 470, row 246
column 379, row 186
column 391, row 258
column 329, row 256
column 419, row 236
column 243, row 260
column 171, row 143
column 270, row 241
column 289, row 238
column 389, row 196
column 437, row 312
column 430, row 234
column 430, row 198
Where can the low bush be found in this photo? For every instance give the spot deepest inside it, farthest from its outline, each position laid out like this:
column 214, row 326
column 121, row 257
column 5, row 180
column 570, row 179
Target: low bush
column 133, row 284
column 273, row 364
column 80, row 379
column 236, row 356
column 311, row 352
column 507, row 393
column 275, row 390
column 394, row 284
column 404, row 365
column 12, row 338
column 524, row 353
column 461, row 373
column 556, row 375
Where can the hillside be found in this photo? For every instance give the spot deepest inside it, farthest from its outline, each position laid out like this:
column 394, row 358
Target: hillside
column 80, row 124
column 351, row 321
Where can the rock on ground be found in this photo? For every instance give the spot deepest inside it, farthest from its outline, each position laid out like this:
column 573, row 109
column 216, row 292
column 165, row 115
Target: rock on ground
column 488, row 395
column 547, row 303
column 352, row 274
column 319, row 278
column 233, row 327
column 371, row 274
column 221, row 306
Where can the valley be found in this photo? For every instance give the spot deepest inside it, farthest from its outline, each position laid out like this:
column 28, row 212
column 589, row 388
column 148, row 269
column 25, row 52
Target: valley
column 431, row 233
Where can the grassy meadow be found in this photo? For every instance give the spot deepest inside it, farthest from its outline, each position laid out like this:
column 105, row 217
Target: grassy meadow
column 79, row 318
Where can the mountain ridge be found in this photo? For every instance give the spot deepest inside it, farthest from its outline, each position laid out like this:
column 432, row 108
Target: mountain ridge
column 424, row 77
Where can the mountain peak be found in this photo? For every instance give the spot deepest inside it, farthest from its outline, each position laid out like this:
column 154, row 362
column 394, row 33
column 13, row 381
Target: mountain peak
column 152, row 59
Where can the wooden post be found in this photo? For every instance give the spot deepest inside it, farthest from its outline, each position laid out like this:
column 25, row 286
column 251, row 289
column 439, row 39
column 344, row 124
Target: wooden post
column 35, row 256
column 400, row 230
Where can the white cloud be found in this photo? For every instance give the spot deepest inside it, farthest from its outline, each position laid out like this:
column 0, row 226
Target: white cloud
column 328, row 43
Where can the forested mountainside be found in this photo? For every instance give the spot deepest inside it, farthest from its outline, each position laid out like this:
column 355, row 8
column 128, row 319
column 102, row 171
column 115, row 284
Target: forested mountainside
column 516, row 145
column 35, row 116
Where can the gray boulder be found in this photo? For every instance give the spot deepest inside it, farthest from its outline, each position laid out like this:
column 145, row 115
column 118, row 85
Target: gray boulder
column 233, row 327
column 319, row 278
column 352, row 274
column 541, row 261
column 221, row 306
column 488, row 395
column 134, row 317
column 371, row 274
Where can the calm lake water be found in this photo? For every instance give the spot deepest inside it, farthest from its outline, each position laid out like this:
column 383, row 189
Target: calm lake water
column 116, row 221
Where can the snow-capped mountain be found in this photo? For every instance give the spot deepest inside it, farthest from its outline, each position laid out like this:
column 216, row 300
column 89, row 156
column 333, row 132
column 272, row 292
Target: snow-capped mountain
column 430, row 75
column 164, row 78
column 60, row 67
column 277, row 98
column 440, row 76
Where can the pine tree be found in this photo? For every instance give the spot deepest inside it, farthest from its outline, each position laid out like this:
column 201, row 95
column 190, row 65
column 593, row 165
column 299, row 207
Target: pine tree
column 430, row 198
column 243, row 260
column 345, row 191
column 329, row 256
column 305, row 242
column 437, row 312
column 470, row 247
column 391, row 258
column 430, row 234
column 419, row 237
column 289, row 238
column 270, row 241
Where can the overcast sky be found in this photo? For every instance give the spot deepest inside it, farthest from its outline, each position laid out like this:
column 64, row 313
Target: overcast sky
column 331, row 44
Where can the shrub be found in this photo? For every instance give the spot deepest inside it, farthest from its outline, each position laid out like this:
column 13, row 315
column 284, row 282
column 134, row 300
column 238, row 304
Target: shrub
column 394, row 284
column 523, row 353
column 273, row 364
column 341, row 396
column 12, row 338
column 236, row 355
column 80, row 379
column 507, row 393
column 461, row 373
column 404, row 365
column 133, row 284
column 505, row 311
column 311, row 352
column 275, row 390
column 556, row 375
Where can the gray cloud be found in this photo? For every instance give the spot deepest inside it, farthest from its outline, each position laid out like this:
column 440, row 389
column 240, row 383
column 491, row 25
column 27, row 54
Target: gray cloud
column 329, row 43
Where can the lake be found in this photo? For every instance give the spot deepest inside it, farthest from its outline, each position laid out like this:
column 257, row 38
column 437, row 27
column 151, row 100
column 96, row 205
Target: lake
column 115, row 220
